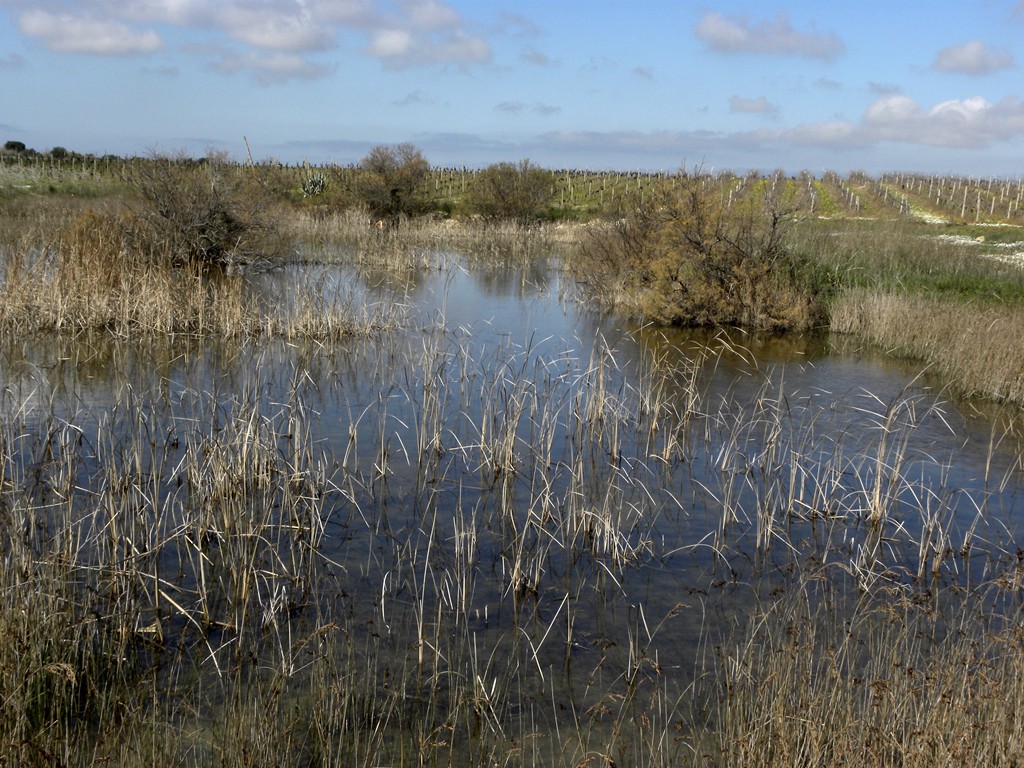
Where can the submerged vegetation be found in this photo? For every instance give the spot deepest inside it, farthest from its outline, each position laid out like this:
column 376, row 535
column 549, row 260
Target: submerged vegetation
column 263, row 503
column 548, row 560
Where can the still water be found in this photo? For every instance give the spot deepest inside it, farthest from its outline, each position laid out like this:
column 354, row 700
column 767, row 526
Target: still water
column 514, row 479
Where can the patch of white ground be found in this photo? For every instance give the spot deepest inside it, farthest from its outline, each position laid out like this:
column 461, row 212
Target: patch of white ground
column 1007, row 253
column 927, row 217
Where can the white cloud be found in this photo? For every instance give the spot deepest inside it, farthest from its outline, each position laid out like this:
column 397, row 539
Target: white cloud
column 967, row 124
column 401, row 33
column 348, row 13
column 178, row 12
column 269, row 69
column 758, row 106
column 68, row 33
column 285, row 30
column 402, row 48
column 425, row 32
column 460, row 48
column 893, row 109
column 390, row 44
column 973, row 58
column 973, row 122
column 430, row 14
column 773, row 36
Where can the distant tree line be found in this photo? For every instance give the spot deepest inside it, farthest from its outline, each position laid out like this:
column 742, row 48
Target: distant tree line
column 392, row 179
column 18, row 148
column 391, row 183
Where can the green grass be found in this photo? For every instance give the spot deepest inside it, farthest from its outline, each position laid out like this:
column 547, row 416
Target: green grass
column 908, row 257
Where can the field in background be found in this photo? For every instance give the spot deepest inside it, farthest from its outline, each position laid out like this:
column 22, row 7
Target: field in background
column 936, row 199
column 581, row 194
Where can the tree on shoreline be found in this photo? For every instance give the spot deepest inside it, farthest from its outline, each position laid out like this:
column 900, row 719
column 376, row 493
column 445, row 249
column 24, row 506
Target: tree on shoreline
column 390, row 180
column 518, row 191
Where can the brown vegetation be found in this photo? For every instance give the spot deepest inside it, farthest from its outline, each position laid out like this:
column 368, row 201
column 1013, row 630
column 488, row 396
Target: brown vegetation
column 391, row 180
column 976, row 348
column 206, row 211
column 105, row 272
column 518, row 192
column 694, row 257
column 200, row 578
column 884, row 687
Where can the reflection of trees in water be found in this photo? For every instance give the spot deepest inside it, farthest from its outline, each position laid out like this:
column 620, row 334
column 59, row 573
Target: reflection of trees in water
column 514, row 282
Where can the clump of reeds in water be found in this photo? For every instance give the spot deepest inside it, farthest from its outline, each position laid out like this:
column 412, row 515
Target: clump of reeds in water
column 104, row 273
column 889, row 680
column 400, row 246
column 134, row 559
column 96, row 276
column 976, row 348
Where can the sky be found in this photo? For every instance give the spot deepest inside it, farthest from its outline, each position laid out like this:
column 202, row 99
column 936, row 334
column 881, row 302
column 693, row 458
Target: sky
column 932, row 86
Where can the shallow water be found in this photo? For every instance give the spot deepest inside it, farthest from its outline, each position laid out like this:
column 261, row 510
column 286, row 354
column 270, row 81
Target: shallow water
column 516, row 474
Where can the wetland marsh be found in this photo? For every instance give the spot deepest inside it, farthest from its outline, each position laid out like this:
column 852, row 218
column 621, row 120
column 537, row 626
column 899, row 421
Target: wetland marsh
column 482, row 520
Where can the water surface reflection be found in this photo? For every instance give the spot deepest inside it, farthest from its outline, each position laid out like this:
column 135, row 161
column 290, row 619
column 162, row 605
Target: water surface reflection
column 513, row 461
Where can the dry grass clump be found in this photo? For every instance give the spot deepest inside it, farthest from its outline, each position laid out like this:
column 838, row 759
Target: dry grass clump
column 95, row 276
column 104, row 272
column 131, row 562
column 69, row 637
column 887, row 685
column 975, row 347
column 396, row 248
column 170, row 258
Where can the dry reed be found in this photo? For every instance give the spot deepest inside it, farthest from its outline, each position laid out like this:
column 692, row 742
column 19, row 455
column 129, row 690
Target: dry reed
column 973, row 347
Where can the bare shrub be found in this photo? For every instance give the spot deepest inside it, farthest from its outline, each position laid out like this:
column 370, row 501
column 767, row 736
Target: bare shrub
column 691, row 258
column 515, row 191
column 390, row 180
column 204, row 211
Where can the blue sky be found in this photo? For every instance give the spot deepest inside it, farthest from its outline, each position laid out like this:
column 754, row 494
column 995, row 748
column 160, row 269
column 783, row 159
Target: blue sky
column 932, row 86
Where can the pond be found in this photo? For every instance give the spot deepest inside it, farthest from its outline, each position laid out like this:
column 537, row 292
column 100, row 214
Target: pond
column 512, row 519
